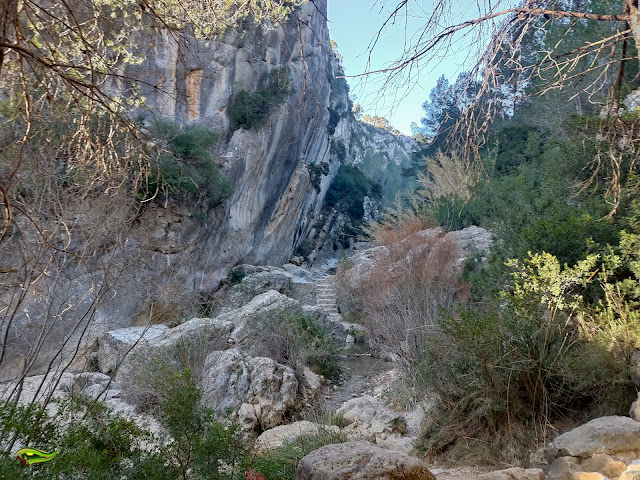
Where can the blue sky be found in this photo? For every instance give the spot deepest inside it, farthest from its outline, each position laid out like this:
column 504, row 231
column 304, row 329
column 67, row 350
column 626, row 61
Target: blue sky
column 352, row 25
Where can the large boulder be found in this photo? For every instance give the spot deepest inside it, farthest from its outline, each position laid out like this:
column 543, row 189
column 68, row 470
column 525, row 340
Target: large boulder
column 368, row 414
column 257, row 391
column 252, row 280
column 259, row 309
column 360, row 461
column 283, row 434
column 632, row 472
column 615, row 436
column 135, row 357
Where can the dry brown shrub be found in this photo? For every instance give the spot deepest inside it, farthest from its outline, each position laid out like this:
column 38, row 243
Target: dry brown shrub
column 449, row 176
column 404, row 292
column 400, row 220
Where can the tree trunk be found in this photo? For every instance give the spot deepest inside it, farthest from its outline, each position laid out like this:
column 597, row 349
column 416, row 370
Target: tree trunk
column 8, row 19
column 631, row 9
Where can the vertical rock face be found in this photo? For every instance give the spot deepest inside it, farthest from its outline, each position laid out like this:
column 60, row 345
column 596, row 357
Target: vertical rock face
column 163, row 258
column 273, row 204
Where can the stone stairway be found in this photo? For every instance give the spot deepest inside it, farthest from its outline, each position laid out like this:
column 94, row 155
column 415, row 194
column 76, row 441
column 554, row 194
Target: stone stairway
column 326, row 297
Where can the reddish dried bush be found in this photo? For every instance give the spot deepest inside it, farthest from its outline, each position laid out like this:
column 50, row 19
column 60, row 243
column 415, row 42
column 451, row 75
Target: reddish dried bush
column 404, row 292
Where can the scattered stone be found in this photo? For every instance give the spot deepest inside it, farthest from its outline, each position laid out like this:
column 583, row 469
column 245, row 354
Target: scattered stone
column 603, row 464
column 360, row 461
column 278, row 436
column 618, row 436
column 312, row 381
column 514, row 473
column 297, row 260
column 588, row 476
column 632, row 472
column 96, row 386
column 259, row 391
column 563, row 468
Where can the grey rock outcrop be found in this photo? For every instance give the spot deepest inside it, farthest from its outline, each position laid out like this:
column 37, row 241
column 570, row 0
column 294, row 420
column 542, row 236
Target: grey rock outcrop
column 283, row 434
column 369, row 415
column 136, row 360
column 175, row 254
column 360, row 461
column 289, row 280
column 256, row 312
column 616, row 436
column 259, row 391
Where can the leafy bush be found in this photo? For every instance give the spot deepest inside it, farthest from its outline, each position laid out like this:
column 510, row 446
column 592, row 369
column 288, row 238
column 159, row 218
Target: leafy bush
column 543, row 356
column 187, row 166
column 93, row 443
column 348, row 190
column 248, row 109
column 295, row 340
column 280, row 463
column 316, row 172
column 334, row 119
column 236, row 276
column 339, row 149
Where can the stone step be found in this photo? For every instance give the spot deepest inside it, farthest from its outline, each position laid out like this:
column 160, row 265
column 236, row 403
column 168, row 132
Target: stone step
column 329, row 311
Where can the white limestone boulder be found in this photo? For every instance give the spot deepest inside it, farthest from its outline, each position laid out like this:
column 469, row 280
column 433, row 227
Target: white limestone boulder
column 257, row 391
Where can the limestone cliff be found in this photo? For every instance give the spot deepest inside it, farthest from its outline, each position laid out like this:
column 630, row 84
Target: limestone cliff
column 126, row 262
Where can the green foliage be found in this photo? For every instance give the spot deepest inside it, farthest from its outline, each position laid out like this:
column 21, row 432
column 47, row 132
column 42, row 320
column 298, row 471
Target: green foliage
column 334, row 119
column 206, row 447
column 187, row 166
column 293, row 339
column 92, row 443
column 316, row 172
column 249, row 109
column 280, row 463
column 235, row 276
column 528, row 204
column 339, row 149
column 543, row 355
column 348, row 190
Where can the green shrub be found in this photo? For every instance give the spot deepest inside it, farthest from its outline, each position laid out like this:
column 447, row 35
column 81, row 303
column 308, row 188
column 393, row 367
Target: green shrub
column 236, row 276
column 248, row 109
column 348, row 190
column 92, row 443
column 316, row 172
column 187, row 166
column 339, row 149
column 295, row 340
column 544, row 355
column 334, row 119
column 280, row 463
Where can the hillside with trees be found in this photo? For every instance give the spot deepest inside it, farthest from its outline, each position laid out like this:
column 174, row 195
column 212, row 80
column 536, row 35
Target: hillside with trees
column 544, row 332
